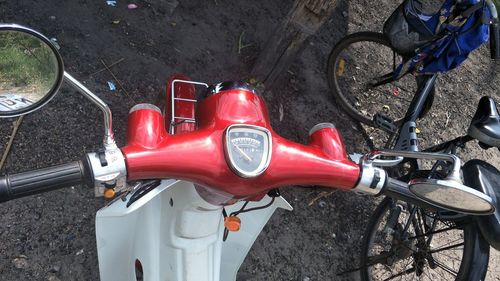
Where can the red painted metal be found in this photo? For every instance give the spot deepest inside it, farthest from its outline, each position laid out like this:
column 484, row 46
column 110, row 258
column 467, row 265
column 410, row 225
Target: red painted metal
column 198, row 156
column 183, row 109
column 146, row 129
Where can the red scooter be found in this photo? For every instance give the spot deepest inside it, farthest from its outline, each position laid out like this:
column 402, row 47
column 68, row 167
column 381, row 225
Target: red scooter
column 197, row 180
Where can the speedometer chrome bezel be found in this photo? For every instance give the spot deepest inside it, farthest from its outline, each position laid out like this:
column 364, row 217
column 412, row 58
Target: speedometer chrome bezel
column 266, row 155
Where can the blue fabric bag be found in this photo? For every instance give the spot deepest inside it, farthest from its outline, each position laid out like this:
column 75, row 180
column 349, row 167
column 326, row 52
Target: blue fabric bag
column 460, row 29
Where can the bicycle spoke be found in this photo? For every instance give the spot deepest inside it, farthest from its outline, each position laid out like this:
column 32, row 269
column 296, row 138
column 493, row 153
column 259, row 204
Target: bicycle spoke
column 408, row 271
column 406, row 266
column 446, row 248
column 421, row 221
column 446, row 268
column 412, row 213
column 440, row 275
column 427, row 274
column 429, row 241
column 373, row 260
column 377, row 259
column 449, row 242
column 433, row 232
column 449, row 257
column 393, row 61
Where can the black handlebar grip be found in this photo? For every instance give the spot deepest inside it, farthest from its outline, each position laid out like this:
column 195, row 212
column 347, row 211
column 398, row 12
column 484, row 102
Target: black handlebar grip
column 495, row 40
column 42, row 180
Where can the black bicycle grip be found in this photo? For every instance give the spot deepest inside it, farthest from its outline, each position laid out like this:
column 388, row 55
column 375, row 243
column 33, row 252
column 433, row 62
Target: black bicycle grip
column 495, row 40
column 43, row 180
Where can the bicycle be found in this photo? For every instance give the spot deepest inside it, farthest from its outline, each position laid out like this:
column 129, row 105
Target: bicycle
column 364, row 78
column 369, row 94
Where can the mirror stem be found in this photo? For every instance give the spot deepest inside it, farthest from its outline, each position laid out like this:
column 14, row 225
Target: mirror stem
column 109, row 140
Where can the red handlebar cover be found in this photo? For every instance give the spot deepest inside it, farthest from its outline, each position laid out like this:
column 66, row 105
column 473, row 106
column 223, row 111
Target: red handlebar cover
column 199, row 156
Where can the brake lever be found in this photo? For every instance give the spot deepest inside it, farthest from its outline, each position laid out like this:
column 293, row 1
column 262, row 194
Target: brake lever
column 356, row 157
column 374, row 157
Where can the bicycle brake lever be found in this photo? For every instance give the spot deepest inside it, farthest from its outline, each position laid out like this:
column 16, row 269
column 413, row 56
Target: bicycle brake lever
column 375, row 159
column 399, row 155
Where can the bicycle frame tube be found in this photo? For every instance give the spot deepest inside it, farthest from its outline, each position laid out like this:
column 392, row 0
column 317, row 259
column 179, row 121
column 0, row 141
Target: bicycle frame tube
column 407, row 135
column 418, row 101
column 459, row 141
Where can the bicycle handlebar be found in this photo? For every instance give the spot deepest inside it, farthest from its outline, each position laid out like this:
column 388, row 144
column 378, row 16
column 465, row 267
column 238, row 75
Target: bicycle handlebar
column 495, row 40
column 494, row 30
column 399, row 190
column 375, row 181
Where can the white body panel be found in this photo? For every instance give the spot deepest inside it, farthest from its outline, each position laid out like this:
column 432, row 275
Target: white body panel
column 175, row 242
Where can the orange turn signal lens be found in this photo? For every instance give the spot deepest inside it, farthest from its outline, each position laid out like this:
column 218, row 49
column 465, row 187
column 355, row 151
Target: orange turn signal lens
column 109, row 193
column 232, row 223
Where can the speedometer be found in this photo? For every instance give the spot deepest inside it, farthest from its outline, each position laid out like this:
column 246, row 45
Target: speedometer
column 248, row 149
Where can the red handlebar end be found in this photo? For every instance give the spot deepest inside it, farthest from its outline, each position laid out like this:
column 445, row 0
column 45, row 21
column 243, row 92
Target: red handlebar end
column 327, row 137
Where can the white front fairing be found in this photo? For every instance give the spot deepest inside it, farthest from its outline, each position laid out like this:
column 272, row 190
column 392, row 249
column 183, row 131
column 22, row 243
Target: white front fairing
column 176, row 235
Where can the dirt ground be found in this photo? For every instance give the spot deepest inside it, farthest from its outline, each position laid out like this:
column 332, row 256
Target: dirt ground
column 53, row 234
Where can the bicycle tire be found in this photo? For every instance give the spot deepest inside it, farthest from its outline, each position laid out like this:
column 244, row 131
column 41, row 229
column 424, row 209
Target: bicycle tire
column 356, row 60
column 473, row 261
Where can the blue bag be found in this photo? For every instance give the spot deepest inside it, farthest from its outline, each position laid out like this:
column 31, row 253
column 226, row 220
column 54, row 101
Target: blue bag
column 460, row 29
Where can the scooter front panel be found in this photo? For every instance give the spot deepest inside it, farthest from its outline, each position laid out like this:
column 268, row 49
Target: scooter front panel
column 176, row 236
column 171, row 231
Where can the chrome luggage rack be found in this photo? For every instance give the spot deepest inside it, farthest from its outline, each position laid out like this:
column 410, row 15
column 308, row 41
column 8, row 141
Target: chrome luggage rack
column 192, row 119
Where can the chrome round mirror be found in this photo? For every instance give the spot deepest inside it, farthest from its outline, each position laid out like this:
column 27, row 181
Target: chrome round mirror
column 451, row 195
column 31, row 70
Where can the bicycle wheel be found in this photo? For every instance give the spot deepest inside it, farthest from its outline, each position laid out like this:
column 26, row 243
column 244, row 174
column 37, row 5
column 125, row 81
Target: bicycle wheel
column 406, row 243
column 356, row 65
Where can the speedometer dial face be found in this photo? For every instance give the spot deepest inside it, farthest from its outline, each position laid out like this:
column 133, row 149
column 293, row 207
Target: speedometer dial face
column 248, row 149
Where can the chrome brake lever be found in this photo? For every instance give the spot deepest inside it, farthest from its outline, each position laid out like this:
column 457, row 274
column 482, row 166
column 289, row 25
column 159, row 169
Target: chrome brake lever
column 376, row 160
column 356, row 157
column 400, row 155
